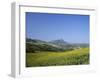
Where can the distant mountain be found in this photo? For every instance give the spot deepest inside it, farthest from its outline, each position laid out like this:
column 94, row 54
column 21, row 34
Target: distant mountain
column 63, row 44
column 59, row 42
column 34, row 45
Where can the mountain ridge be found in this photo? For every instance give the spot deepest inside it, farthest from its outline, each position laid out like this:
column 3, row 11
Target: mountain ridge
column 33, row 45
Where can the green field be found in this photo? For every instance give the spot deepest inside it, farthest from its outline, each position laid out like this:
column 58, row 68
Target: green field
column 74, row 57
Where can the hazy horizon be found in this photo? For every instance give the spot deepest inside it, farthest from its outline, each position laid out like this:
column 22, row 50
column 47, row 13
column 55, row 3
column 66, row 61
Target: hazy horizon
column 47, row 27
column 58, row 39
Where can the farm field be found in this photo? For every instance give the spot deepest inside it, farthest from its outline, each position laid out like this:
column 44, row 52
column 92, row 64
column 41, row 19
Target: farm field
column 46, row 58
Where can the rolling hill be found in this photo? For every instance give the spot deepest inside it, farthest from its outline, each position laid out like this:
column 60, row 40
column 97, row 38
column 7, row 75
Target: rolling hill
column 35, row 45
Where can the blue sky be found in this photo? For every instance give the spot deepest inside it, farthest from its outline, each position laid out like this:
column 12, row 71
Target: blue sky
column 45, row 26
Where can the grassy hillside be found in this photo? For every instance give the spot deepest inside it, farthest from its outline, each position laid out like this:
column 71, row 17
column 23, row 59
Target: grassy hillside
column 35, row 45
column 45, row 58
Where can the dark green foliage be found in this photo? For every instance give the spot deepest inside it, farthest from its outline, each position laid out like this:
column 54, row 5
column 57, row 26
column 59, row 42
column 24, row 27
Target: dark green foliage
column 29, row 48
